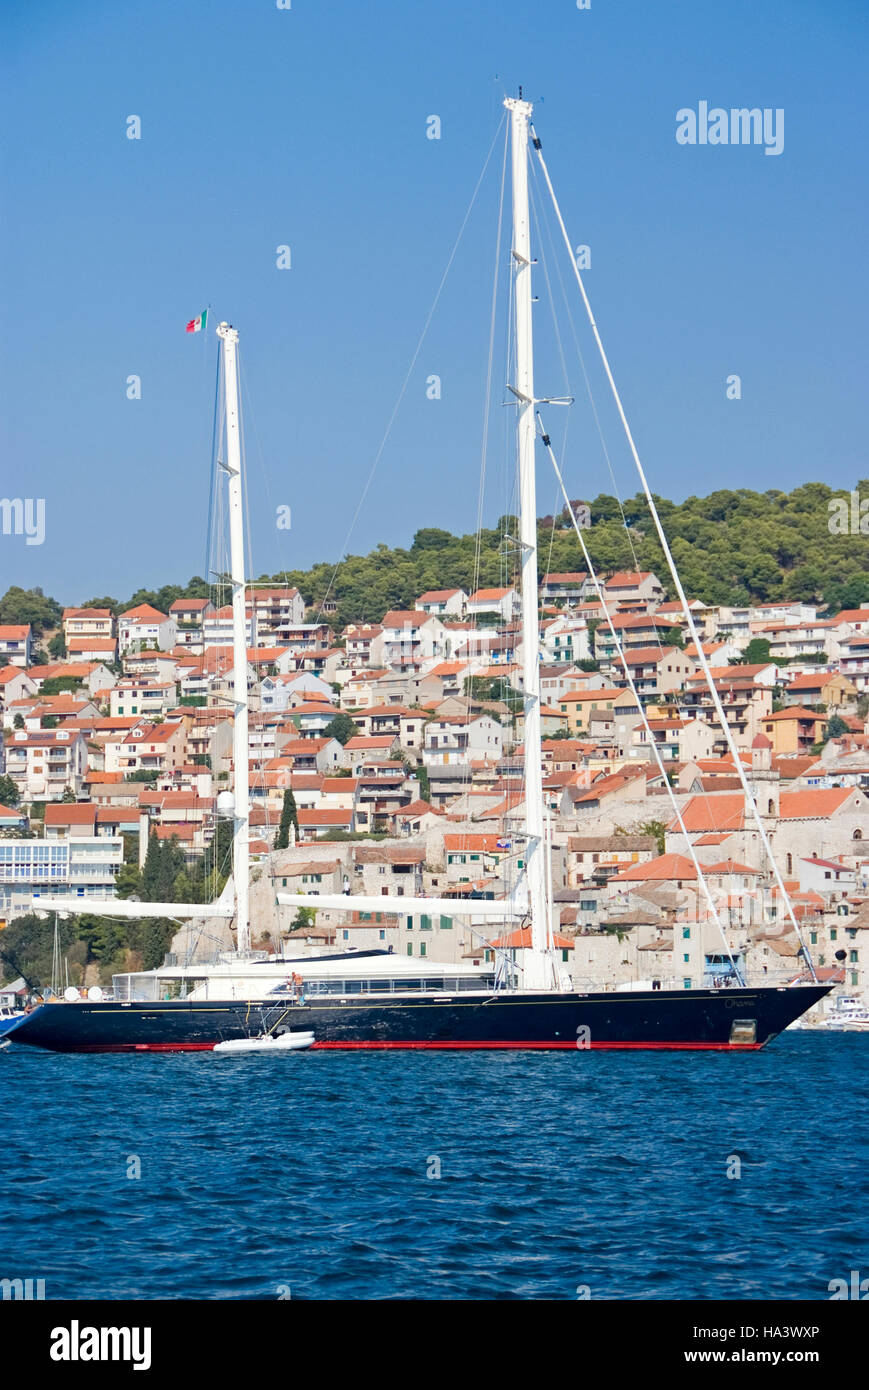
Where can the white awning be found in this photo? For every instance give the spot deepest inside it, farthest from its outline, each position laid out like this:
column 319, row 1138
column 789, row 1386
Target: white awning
column 124, row 907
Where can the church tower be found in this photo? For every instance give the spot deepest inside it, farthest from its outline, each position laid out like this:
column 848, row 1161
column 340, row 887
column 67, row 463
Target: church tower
column 764, row 781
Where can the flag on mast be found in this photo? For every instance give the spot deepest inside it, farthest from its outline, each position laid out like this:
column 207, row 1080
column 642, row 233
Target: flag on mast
column 197, row 325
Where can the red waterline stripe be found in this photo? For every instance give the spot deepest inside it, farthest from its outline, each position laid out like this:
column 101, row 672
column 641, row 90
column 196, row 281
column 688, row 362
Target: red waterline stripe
column 445, row 1047
column 138, row 1047
column 540, row 1046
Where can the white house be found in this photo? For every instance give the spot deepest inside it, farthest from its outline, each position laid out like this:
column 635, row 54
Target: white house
column 274, row 611
column 453, row 739
column 189, row 615
column 564, row 639
column 15, row 684
column 440, row 602
column 147, row 747
column 829, row 877
column 144, row 626
column 411, row 638
column 505, row 602
column 635, row 587
column 81, row 867
column 141, row 699
column 45, row 764
column 565, row 587
column 16, row 644
column 364, row 644
column 279, row 693
column 217, row 628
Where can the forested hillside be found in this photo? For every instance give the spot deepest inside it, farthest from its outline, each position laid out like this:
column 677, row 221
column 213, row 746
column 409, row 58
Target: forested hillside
column 730, row 547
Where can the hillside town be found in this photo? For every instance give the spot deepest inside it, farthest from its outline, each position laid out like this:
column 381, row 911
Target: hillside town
column 386, row 759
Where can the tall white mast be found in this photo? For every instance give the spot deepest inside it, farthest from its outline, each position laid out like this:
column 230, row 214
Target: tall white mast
column 241, row 834
column 538, row 971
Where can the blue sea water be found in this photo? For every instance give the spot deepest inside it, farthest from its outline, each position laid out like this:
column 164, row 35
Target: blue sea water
column 314, row 1175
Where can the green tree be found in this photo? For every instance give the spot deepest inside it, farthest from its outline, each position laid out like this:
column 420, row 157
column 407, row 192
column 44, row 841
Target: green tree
column 655, row 828
column 289, row 816
column 20, row 606
column 128, row 882
column 305, row 917
column 151, row 938
column 58, row 685
column 151, row 870
column 8, row 792
column 757, row 652
column 110, row 603
column 57, row 646
column 836, row 728
column 103, row 936
column 341, row 727
column 27, row 947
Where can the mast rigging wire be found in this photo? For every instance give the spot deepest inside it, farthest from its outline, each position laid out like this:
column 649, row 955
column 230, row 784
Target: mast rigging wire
column 716, row 699
column 406, row 382
column 656, row 752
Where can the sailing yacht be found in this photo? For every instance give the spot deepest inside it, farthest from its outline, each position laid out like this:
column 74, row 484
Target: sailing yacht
column 374, row 999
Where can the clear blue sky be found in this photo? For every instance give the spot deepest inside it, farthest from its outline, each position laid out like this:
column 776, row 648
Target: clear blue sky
column 307, row 127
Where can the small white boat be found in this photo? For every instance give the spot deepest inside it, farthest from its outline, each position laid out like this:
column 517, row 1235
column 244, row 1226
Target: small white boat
column 848, row 1015
column 268, row 1042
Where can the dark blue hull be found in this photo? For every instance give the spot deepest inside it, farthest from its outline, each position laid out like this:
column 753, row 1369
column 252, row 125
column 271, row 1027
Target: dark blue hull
column 715, row 1019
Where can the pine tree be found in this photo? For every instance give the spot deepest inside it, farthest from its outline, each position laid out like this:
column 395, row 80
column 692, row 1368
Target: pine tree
column 151, row 870
column 289, row 816
column 8, row 792
column 171, row 863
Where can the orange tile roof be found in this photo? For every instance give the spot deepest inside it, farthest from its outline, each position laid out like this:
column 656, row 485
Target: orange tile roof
column 853, row 615
column 726, row 811
column 816, row 803
column 520, row 940
column 581, row 696
column 90, row 644
column 144, row 613
column 795, row 712
column 666, row 866
column 194, row 605
column 58, row 813
column 640, row 655
column 624, row 579
column 475, row 844
column 812, row 682
column 318, row 817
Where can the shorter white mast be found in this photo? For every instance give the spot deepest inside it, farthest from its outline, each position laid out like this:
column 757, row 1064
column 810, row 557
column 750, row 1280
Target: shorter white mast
column 232, row 466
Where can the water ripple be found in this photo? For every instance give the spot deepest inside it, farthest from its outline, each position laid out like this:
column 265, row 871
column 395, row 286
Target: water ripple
column 402, row 1175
